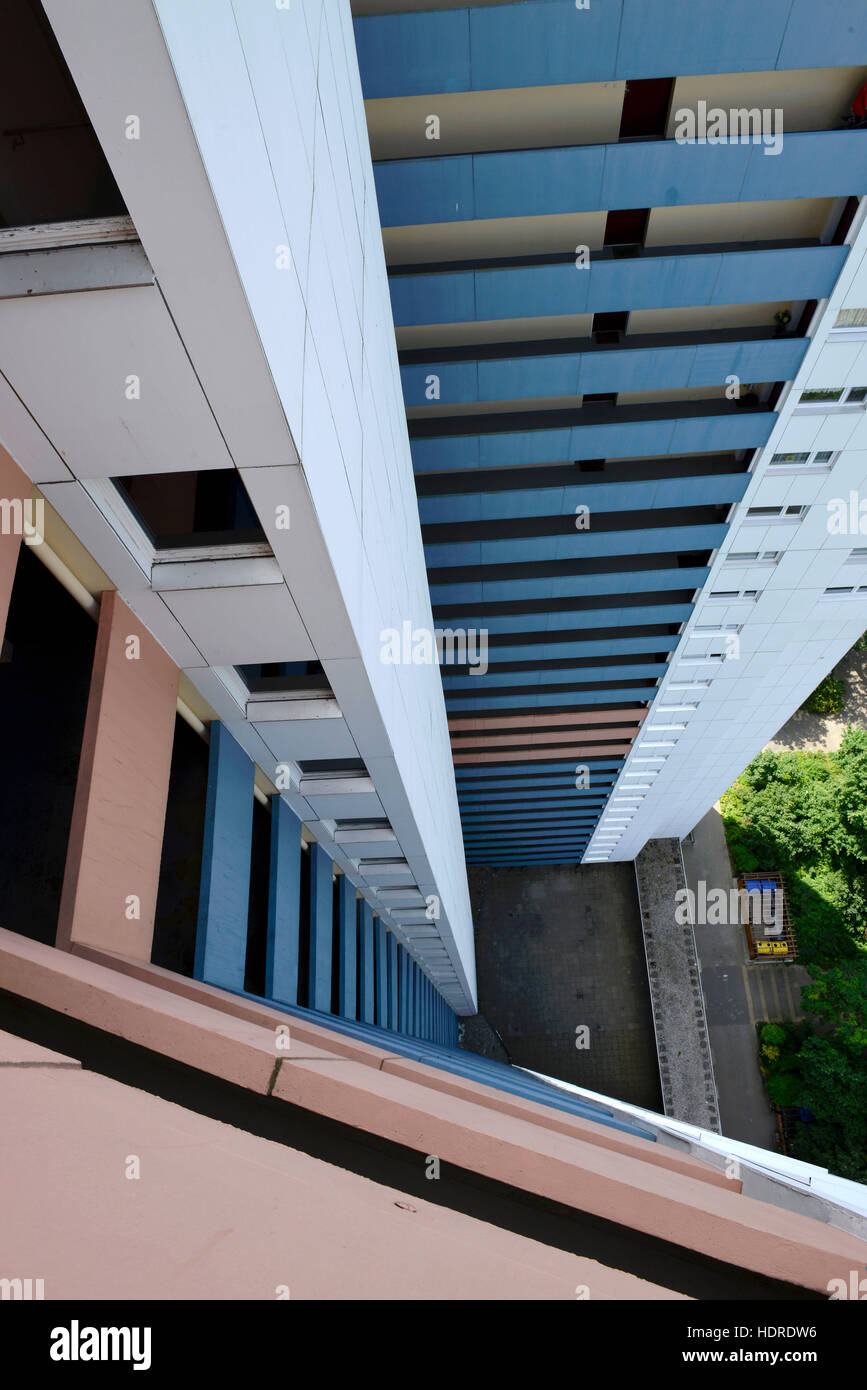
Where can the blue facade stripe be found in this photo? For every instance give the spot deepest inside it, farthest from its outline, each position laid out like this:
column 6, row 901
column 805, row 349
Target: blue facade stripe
column 575, row 545
column 635, row 495
column 583, row 620
column 284, row 905
column 482, row 590
column 393, row 985
column 366, row 972
column 224, row 892
column 711, row 433
column 647, row 282
column 321, row 928
column 550, row 42
column 591, row 178
column 628, row 369
column 347, row 947
column 381, row 969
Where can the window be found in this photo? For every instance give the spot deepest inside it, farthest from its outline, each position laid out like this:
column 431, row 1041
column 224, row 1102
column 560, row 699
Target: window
column 770, row 514
column 732, row 595
column 752, row 557
column 821, row 459
column 819, row 397
column 846, row 591
column 839, row 396
column 858, row 556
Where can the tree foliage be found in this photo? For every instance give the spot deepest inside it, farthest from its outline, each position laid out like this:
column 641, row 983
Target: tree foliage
column 805, row 815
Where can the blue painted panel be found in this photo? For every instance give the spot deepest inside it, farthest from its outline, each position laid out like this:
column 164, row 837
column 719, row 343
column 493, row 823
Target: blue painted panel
column 507, row 379
column 224, row 893
column 284, row 905
column 578, row 546
column 660, row 39
column 570, row 586
column 403, row 967
column 321, row 928
column 648, row 282
column 810, row 164
column 633, row 495
column 416, row 1000
column 445, row 298
column 777, row 359
column 381, row 971
column 646, row 670
column 521, row 183
column 366, row 975
column 458, row 382
column 549, row 42
column 590, row 178
column 558, row 651
column 347, row 948
column 807, row 272
column 392, row 981
column 573, row 374
column 628, row 439
column 833, row 42
column 579, row 620
column 403, row 54
column 667, row 174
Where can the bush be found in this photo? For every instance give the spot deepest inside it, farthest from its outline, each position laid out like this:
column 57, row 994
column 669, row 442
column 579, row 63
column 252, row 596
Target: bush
column 827, row 698
column 783, row 1088
column 773, row 1034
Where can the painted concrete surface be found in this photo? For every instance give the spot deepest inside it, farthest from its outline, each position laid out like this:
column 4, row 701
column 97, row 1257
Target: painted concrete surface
column 115, row 839
column 558, row 948
column 154, row 1201
column 738, row 993
column 682, row 1041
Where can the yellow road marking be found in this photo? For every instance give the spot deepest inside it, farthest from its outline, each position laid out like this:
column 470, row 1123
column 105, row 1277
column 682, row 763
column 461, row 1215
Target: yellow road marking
column 746, row 974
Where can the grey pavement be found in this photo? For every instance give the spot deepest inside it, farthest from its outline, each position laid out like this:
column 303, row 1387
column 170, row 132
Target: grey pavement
column 738, row 994
column 558, row 948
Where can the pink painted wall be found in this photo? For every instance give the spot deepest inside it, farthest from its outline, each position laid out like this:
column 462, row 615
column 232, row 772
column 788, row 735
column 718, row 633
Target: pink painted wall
column 115, row 839
column 13, row 484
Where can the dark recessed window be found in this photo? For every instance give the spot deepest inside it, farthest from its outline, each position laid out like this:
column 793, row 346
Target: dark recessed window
column 192, row 509
column 281, row 676
column 53, row 167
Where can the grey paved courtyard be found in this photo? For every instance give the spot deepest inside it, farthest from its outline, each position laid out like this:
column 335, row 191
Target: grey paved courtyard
column 562, row 947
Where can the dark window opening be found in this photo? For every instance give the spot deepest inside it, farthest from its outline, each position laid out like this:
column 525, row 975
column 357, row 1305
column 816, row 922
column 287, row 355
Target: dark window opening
column 625, row 230
column 192, row 509
column 600, row 398
column 257, row 914
column 590, row 465
column 337, row 766
column 177, row 910
column 52, row 168
column 49, row 640
column 610, row 327
column 274, row 677
column 645, row 108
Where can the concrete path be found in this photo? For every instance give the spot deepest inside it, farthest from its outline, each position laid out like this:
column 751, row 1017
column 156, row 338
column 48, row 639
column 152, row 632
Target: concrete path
column 685, row 1066
column 806, row 732
column 738, row 994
